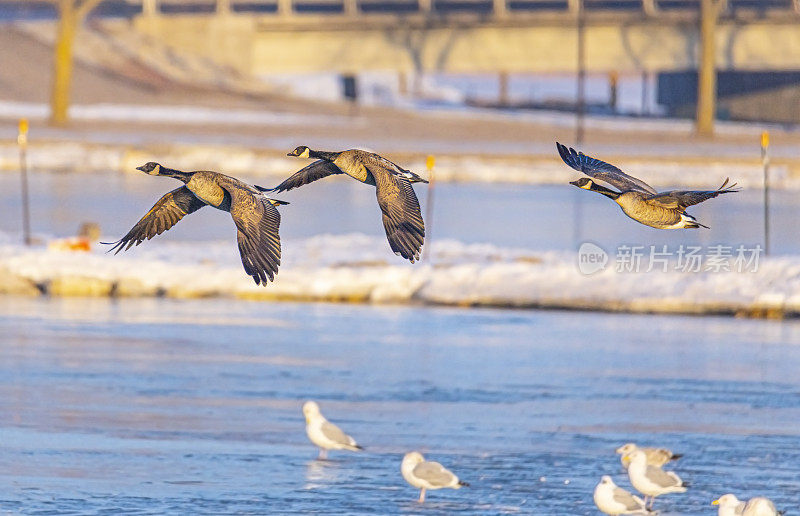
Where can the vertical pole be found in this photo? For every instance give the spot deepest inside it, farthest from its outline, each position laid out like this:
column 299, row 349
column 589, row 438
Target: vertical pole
column 285, row 7
column 613, row 87
column 425, row 6
column 645, row 83
column 765, row 164
column 70, row 15
column 502, row 96
column 707, row 75
column 649, row 7
column 223, row 7
column 62, row 64
column 581, row 64
column 578, row 7
column 22, row 142
column 149, row 7
column 500, row 8
column 574, row 5
column 430, row 163
column 402, row 83
column 351, row 7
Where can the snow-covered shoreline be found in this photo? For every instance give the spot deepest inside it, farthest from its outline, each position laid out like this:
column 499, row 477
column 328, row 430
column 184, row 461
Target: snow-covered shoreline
column 358, row 269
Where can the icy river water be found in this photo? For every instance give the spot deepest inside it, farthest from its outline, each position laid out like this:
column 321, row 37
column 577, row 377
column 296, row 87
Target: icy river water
column 161, row 406
column 535, row 217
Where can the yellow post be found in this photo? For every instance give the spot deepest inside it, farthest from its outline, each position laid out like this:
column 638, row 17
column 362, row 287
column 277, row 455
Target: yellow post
column 285, row 7
column 62, row 64
column 223, row 7
column 70, row 15
column 351, row 7
column 765, row 165
column 22, row 142
column 149, row 7
column 500, row 8
column 430, row 163
column 707, row 74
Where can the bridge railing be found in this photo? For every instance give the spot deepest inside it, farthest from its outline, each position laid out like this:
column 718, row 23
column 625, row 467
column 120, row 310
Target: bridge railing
column 488, row 7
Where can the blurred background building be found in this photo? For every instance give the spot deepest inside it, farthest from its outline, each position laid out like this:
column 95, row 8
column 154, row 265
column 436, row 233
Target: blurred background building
column 638, row 57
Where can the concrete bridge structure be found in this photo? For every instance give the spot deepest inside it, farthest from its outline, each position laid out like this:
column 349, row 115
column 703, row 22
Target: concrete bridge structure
column 469, row 36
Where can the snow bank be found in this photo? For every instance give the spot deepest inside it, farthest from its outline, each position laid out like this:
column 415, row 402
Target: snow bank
column 190, row 115
column 357, row 268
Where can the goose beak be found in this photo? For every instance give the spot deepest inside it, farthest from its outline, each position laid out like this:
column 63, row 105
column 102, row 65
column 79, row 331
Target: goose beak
column 140, row 168
column 575, row 183
column 715, row 502
column 291, row 154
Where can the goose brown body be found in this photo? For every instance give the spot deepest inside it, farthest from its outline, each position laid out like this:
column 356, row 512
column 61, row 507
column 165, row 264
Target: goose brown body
column 401, row 214
column 637, row 199
column 255, row 216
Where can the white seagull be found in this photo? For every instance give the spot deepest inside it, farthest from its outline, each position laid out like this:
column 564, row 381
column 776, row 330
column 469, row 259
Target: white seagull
column 655, row 456
column 427, row 475
column 614, row 500
column 325, row 434
column 652, row 481
column 729, row 505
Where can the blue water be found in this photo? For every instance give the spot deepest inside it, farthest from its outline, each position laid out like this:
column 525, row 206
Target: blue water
column 507, row 215
column 163, row 406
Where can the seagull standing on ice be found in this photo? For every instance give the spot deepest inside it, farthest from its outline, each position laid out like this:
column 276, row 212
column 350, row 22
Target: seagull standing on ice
column 652, row 481
column 325, row 434
column 427, row 475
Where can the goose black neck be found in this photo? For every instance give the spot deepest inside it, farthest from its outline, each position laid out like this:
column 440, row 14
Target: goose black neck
column 327, row 156
column 611, row 194
column 177, row 174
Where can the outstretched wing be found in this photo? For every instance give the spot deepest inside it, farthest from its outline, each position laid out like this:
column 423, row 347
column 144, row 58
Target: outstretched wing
column 308, row 174
column 258, row 222
column 682, row 199
column 402, row 218
column 601, row 170
column 164, row 214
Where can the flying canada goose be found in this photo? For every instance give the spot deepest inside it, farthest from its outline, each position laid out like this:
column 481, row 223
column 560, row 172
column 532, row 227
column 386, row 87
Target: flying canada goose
column 325, row 434
column 402, row 218
column 427, row 475
column 256, row 218
column 652, row 481
column 638, row 200
column 655, row 456
column 614, row 500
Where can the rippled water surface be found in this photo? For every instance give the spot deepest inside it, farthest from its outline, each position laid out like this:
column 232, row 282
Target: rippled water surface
column 177, row 407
